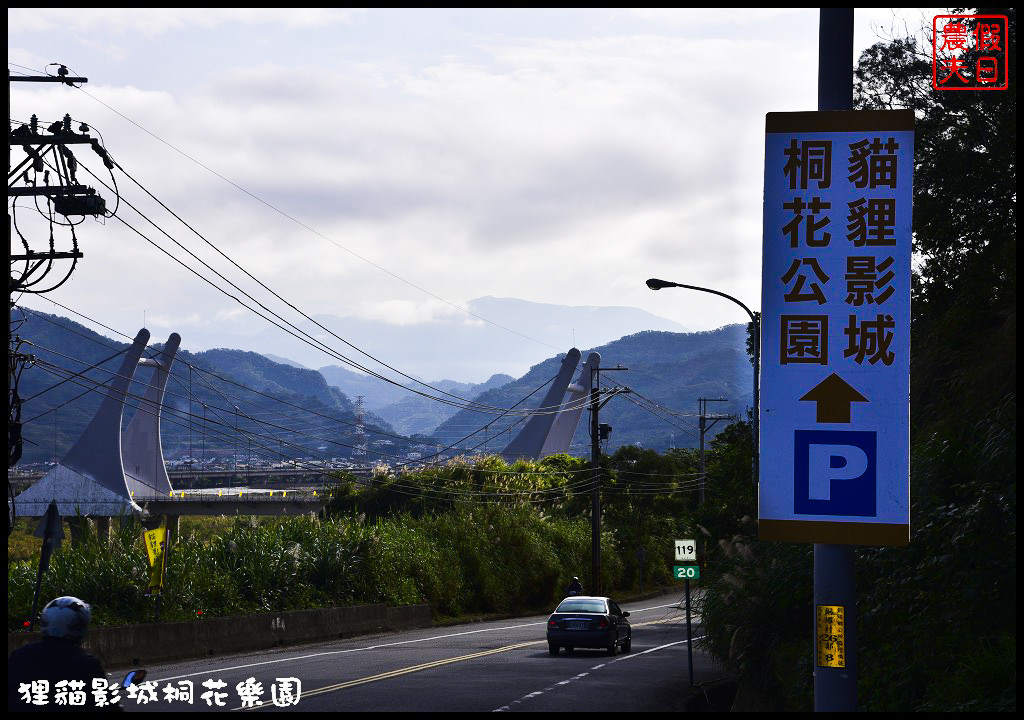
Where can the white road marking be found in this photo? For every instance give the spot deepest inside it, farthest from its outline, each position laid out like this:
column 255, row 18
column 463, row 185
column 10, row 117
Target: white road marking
column 372, row 647
column 596, row 667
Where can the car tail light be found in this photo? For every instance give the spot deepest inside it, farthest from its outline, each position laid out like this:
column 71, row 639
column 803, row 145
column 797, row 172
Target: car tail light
column 552, row 623
column 602, row 624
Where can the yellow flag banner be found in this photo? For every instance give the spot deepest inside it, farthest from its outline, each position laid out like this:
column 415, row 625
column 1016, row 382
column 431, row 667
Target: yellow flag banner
column 156, row 543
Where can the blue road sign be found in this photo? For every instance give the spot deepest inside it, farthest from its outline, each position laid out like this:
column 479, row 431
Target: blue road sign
column 835, row 328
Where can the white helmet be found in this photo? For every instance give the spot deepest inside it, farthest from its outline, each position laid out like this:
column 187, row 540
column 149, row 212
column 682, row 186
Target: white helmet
column 66, row 617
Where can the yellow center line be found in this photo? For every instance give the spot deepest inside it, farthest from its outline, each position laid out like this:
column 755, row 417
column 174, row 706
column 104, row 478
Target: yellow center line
column 436, row 663
column 411, row 669
column 425, row 666
column 651, row 622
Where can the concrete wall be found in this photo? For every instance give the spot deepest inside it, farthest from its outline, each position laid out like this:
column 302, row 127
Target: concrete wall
column 141, row 645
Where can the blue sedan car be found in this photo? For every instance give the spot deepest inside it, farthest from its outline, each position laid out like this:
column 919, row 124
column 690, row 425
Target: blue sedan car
column 589, row 622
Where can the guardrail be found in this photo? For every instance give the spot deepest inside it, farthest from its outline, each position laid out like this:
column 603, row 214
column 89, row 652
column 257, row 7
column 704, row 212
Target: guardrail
column 135, row 645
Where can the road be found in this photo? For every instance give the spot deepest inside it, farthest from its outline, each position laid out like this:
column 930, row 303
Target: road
column 489, row 666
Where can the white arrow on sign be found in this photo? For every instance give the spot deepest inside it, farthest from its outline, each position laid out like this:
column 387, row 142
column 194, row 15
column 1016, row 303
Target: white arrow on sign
column 686, row 550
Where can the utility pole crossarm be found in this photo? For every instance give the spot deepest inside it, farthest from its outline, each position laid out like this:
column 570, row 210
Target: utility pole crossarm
column 43, row 257
column 612, row 392
column 45, row 78
column 64, row 139
column 50, row 190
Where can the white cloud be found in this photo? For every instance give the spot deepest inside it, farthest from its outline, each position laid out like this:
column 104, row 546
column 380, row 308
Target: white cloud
column 401, row 312
column 151, row 22
column 467, row 153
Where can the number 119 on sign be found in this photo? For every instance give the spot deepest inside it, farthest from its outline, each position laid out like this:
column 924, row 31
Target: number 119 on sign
column 686, row 550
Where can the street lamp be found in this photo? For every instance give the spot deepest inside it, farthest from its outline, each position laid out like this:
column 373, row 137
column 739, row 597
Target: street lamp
column 655, row 284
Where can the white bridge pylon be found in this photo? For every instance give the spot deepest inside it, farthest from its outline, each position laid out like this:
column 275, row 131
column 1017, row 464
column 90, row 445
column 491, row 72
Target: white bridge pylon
column 547, row 432
column 91, row 479
column 142, row 453
column 577, row 396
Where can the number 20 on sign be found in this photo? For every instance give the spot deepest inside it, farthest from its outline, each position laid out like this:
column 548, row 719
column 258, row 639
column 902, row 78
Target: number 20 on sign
column 686, row 572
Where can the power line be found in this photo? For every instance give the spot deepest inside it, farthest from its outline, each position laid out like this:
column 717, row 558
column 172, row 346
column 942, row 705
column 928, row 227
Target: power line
column 217, row 410
column 420, row 491
column 305, row 337
column 201, row 371
column 306, row 227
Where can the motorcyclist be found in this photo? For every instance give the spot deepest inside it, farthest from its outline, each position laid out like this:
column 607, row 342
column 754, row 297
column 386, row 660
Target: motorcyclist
column 574, row 587
column 58, row 659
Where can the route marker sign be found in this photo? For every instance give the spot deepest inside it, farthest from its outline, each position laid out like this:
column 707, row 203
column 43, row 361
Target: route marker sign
column 686, row 572
column 835, row 346
column 686, row 550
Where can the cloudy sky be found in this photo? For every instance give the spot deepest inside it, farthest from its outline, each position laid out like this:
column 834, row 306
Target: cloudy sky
column 391, row 165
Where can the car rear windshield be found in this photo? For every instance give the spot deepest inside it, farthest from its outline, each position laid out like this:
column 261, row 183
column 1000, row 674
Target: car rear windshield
column 587, row 606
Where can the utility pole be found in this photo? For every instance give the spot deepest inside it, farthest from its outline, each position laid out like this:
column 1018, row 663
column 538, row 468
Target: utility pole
column 597, row 433
column 702, row 404
column 45, row 152
column 358, row 454
column 835, row 688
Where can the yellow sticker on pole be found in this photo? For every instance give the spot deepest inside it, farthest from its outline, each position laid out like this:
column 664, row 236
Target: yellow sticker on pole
column 831, row 639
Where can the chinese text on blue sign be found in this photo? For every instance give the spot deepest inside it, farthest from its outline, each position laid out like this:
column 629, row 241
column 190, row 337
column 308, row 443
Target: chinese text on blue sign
column 835, row 361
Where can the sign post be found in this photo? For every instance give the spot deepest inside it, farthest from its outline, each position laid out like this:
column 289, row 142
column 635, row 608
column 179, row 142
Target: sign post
column 51, row 530
column 686, row 551
column 835, row 362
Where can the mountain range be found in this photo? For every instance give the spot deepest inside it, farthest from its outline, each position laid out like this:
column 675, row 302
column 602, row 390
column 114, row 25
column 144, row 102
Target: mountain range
column 231, row 404
column 491, row 336
column 407, row 412
column 666, row 374
column 219, row 404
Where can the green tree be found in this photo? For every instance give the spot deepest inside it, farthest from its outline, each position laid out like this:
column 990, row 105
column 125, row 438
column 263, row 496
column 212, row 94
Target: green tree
column 958, row 577
column 938, row 618
column 965, row 227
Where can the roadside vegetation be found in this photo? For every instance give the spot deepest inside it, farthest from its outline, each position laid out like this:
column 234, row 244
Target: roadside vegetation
column 937, row 628
column 937, row 622
column 468, row 539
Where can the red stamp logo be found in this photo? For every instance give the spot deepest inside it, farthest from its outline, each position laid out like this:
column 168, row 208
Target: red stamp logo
column 970, row 52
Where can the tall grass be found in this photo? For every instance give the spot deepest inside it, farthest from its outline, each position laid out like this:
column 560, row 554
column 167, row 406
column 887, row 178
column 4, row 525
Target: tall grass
column 377, row 544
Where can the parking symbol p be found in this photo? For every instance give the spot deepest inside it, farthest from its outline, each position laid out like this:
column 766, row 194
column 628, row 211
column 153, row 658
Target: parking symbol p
column 834, row 472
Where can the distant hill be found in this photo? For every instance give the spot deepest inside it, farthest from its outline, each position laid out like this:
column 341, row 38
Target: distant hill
column 283, row 411
column 376, row 392
column 670, row 369
column 415, row 414
column 472, row 350
column 284, row 361
column 406, row 411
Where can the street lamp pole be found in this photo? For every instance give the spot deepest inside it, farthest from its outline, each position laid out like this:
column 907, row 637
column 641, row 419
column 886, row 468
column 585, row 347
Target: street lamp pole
column 655, row 284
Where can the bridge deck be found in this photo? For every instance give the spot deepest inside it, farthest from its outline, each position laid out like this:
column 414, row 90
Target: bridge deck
column 212, row 505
